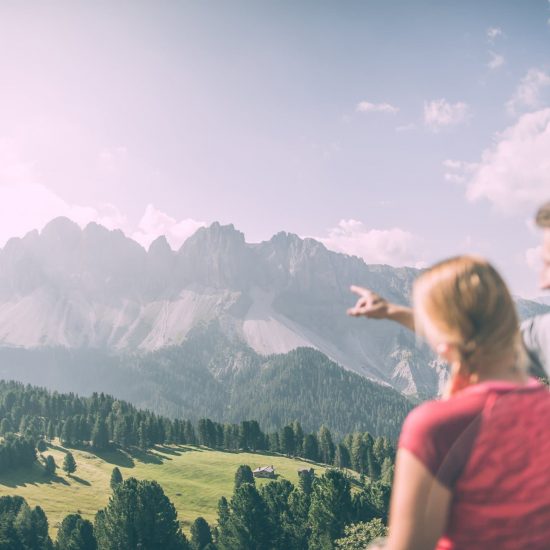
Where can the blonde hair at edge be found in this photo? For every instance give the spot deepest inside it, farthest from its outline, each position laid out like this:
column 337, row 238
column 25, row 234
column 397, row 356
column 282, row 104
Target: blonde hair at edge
column 464, row 303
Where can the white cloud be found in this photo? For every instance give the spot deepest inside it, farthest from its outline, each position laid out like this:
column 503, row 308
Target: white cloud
column 458, row 170
column 454, row 178
column 439, row 113
column 405, row 128
column 529, row 91
column 514, row 173
column 453, row 164
column 155, row 223
column 493, row 33
column 496, row 60
column 391, row 246
column 111, row 158
column 367, row 107
column 13, row 168
column 28, row 206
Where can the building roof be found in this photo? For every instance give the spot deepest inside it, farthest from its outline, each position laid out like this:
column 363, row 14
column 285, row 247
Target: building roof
column 268, row 469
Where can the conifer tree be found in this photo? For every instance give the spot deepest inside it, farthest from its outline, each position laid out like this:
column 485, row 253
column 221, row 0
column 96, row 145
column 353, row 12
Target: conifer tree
column 248, row 525
column 359, row 453
column 326, row 446
column 75, row 533
column 305, row 480
column 139, row 515
column 311, row 447
column 286, row 440
column 341, row 457
column 276, row 495
column 100, row 435
column 50, row 465
column 201, row 536
column 330, row 508
column 116, row 478
column 69, row 464
column 298, row 438
column 243, row 475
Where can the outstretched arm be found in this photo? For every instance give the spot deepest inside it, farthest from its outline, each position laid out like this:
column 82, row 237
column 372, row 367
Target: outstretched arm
column 371, row 305
column 419, row 506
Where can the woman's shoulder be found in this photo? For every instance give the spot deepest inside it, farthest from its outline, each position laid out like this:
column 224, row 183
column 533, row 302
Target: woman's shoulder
column 442, row 413
column 432, row 429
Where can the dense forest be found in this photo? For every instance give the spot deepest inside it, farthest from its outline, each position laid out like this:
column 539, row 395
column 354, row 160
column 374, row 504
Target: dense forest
column 329, row 511
column 222, row 383
column 99, row 421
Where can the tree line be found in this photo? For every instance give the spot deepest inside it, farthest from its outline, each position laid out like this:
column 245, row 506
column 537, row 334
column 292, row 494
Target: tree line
column 210, row 376
column 101, row 420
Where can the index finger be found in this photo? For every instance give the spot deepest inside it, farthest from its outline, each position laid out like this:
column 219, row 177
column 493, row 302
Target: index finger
column 360, row 290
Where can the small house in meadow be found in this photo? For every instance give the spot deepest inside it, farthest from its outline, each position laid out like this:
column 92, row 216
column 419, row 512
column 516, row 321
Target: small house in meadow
column 264, row 471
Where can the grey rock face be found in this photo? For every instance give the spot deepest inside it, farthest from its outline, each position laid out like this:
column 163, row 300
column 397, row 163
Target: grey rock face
column 97, row 288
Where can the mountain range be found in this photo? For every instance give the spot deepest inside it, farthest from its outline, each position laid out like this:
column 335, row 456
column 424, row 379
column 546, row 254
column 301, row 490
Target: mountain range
column 96, row 289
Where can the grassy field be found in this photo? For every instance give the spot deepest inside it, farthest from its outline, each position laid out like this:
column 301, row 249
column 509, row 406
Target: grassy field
column 193, row 478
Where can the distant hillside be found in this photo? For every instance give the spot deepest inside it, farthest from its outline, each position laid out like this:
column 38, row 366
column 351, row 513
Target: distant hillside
column 207, row 377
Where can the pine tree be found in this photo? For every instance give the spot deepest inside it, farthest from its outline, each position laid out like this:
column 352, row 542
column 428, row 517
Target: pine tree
column 243, row 475
column 100, row 435
column 50, row 465
column 326, row 446
column 248, row 525
column 298, row 506
column 330, row 508
column 386, row 475
column 305, row 480
column 69, row 464
column 286, row 440
column 298, row 438
column 359, row 453
column 341, row 457
column 311, row 447
column 75, row 533
column 139, row 515
column 67, row 433
column 116, row 478
column 373, row 468
column 276, row 495
column 50, row 431
column 201, row 536
column 223, row 512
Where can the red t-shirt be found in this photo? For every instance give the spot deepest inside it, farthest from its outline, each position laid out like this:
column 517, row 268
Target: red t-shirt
column 490, row 445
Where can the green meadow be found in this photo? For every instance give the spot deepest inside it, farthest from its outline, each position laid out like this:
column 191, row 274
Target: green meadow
column 193, row 478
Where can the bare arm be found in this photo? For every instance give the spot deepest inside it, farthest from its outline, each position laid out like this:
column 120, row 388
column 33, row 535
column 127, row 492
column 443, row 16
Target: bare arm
column 371, row 305
column 419, row 506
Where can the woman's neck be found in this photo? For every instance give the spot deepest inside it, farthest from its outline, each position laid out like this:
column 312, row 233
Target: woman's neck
column 507, row 368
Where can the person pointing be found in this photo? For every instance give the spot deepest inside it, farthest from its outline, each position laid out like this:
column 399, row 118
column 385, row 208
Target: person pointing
column 535, row 331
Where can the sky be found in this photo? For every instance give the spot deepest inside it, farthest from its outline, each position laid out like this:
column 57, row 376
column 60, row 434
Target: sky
column 399, row 131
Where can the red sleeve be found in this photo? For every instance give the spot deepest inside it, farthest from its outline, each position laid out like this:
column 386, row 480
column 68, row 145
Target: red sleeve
column 441, row 435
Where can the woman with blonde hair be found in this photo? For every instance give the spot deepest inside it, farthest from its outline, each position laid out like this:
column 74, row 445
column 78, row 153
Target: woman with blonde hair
column 473, row 469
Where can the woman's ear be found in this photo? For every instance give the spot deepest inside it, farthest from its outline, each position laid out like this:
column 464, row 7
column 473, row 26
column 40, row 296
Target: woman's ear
column 447, row 351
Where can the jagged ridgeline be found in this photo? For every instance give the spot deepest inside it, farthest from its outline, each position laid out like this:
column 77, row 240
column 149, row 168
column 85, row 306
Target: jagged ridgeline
column 95, row 288
column 207, row 377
